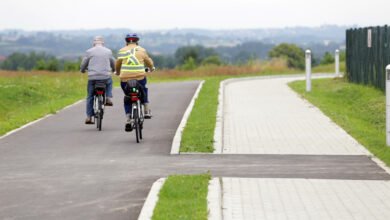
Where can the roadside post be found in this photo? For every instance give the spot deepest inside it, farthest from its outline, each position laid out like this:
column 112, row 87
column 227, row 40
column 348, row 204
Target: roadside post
column 388, row 105
column 337, row 63
column 308, row 70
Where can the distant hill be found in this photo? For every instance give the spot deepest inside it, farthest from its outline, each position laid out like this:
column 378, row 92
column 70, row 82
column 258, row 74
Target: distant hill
column 71, row 44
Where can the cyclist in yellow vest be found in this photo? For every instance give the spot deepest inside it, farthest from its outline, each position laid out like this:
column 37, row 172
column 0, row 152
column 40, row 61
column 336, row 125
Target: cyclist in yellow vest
column 131, row 63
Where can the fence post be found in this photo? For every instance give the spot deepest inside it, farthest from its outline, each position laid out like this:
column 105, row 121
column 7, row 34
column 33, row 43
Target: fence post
column 308, row 70
column 337, row 63
column 388, row 105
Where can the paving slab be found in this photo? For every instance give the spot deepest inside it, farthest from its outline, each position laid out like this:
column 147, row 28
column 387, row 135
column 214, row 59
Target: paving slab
column 265, row 116
column 248, row 199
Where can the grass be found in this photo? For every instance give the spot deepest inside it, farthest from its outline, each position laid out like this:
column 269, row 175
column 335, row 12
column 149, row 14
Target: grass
column 329, row 68
column 26, row 96
column 358, row 109
column 183, row 197
column 198, row 134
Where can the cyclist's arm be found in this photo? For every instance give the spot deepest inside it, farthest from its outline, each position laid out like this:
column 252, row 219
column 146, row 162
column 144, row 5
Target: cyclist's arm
column 112, row 64
column 84, row 64
column 148, row 61
column 118, row 66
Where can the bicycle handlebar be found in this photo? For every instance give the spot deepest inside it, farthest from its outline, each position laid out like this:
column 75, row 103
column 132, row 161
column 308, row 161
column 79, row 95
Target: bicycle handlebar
column 148, row 70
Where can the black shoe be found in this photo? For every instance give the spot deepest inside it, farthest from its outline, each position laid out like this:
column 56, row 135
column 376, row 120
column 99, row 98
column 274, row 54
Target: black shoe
column 128, row 127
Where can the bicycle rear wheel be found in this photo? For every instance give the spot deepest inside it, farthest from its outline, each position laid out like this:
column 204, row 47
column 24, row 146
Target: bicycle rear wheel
column 99, row 117
column 140, row 128
column 136, row 125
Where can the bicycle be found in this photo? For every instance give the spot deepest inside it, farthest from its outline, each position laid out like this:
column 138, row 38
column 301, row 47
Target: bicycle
column 135, row 96
column 99, row 102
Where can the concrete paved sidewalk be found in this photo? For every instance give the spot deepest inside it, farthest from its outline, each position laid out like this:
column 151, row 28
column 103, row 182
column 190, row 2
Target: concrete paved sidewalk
column 265, row 116
column 305, row 199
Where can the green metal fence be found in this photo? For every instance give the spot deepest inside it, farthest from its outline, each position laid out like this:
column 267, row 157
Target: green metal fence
column 367, row 55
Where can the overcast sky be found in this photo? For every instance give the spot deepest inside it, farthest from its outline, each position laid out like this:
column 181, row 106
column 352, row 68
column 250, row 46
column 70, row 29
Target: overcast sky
column 209, row 14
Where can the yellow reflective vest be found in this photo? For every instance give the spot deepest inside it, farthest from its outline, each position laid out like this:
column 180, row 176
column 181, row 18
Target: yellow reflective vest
column 132, row 61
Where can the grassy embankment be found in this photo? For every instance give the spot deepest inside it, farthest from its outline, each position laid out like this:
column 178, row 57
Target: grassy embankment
column 183, row 197
column 358, row 109
column 26, row 96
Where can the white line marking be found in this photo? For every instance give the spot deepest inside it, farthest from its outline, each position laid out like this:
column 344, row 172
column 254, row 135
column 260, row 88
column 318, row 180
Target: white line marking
column 151, row 200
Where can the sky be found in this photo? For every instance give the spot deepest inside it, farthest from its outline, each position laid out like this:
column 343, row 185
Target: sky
column 207, row 14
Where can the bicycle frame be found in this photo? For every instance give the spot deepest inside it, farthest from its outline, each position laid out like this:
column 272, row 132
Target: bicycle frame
column 98, row 104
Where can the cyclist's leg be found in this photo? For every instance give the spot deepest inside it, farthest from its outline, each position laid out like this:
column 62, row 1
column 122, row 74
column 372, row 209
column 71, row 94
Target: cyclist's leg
column 109, row 88
column 90, row 90
column 143, row 83
column 126, row 104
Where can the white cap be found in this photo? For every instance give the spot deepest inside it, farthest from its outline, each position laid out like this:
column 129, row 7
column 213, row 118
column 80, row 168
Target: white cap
column 98, row 40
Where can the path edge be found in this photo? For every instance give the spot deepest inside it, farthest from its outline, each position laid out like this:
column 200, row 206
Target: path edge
column 175, row 148
column 151, row 200
column 214, row 199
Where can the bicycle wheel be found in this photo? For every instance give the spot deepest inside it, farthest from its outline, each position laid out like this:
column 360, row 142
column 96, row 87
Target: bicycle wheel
column 100, row 114
column 140, row 129
column 136, row 124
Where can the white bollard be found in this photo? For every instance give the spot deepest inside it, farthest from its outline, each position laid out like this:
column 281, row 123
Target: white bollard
column 388, row 105
column 308, row 70
column 337, row 63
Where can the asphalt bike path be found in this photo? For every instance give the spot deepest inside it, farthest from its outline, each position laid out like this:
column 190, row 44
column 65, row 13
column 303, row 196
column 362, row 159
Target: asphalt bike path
column 60, row 168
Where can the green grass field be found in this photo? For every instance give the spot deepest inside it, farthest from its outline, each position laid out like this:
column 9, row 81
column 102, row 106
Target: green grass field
column 183, row 197
column 358, row 109
column 26, row 97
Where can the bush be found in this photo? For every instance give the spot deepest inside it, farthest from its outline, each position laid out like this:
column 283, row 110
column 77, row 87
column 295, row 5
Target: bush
column 189, row 64
column 294, row 55
column 327, row 59
column 212, row 60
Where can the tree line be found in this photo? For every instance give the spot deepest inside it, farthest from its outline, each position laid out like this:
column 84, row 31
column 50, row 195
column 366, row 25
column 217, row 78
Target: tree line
column 185, row 58
column 38, row 61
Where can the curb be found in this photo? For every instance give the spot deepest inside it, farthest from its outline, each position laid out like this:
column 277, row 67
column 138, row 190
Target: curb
column 38, row 120
column 218, row 131
column 151, row 200
column 175, row 148
column 214, row 199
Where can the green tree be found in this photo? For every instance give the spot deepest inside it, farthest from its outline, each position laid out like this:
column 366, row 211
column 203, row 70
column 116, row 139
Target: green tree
column 342, row 55
column 71, row 66
column 212, row 60
column 327, row 59
column 198, row 53
column 53, row 65
column 294, row 55
column 40, row 65
column 189, row 64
